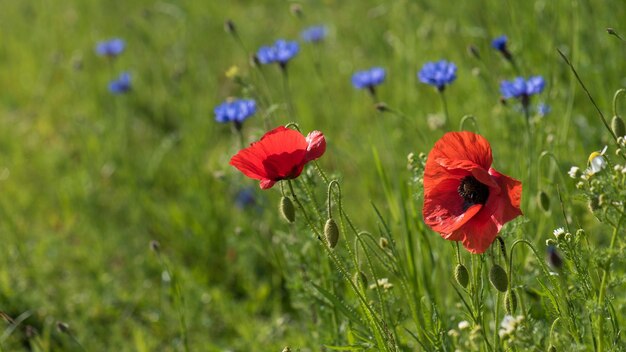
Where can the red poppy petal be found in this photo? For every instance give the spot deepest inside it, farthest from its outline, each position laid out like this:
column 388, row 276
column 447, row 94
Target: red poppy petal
column 478, row 234
column 316, row 145
column 476, row 170
column 250, row 163
column 444, row 208
column 463, row 146
column 265, row 184
column 509, row 199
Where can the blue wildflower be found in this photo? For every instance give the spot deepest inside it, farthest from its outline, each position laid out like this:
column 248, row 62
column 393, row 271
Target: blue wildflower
column 521, row 88
column 314, row 34
column 111, row 47
column 499, row 43
column 368, row 78
column 121, row 84
column 438, row 74
column 245, row 198
column 281, row 52
column 543, row 109
column 235, row 111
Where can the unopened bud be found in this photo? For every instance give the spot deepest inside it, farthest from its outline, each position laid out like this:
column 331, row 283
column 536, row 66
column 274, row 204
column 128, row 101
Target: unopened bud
column 331, row 232
column 551, row 348
column 229, row 26
column 296, row 10
column 498, row 278
column 473, row 50
column 510, row 302
column 553, row 258
column 287, row 210
column 63, row 327
column 461, row 275
column 155, row 246
column 286, row 349
column 360, row 279
column 383, row 243
column 381, row 107
column 544, row 201
column 617, row 125
column 594, row 203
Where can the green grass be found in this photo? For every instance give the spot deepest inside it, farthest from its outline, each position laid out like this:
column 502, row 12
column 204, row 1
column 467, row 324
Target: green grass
column 88, row 179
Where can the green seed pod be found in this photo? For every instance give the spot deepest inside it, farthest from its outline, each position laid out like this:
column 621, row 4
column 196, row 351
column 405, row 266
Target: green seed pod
column 544, row 201
column 510, row 302
column 331, row 232
column 287, row 210
column 551, row 348
column 461, row 275
column 498, row 278
column 617, row 125
column 360, row 279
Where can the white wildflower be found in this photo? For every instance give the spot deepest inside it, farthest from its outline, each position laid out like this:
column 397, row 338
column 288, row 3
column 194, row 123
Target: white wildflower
column 558, row 232
column 384, row 283
column 574, row 172
column 464, row 325
column 597, row 162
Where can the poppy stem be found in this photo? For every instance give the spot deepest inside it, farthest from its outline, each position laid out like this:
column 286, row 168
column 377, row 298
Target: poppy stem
column 469, row 118
column 617, row 94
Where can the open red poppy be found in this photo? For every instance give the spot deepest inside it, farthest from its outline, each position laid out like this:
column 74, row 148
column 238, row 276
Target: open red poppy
column 280, row 154
column 465, row 199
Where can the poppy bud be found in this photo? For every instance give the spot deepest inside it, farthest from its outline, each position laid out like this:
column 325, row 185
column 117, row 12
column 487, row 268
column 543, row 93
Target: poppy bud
column 286, row 349
column 63, row 327
column 551, row 348
column 331, row 232
column 617, row 125
column 229, row 26
column 381, row 107
column 498, row 278
column 383, row 243
column 594, row 203
column 544, row 201
column 155, row 246
column 296, row 10
column 360, row 279
column 461, row 275
column 473, row 50
column 510, row 302
column 287, row 210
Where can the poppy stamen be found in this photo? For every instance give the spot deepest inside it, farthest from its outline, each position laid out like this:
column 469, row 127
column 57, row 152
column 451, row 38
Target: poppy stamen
column 472, row 191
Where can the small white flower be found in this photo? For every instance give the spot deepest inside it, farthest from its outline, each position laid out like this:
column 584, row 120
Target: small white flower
column 558, row 232
column 464, row 325
column 384, row 283
column 574, row 172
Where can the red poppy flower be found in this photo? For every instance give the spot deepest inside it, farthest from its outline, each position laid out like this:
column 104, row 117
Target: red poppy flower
column 465, row 199
column 280, row 154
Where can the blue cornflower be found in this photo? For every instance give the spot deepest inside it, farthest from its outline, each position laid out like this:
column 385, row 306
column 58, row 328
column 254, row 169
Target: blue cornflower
column 543, row 109
column 235, row 111
column 438, row 74
column 521, row 88
column 281, row 52
column 111, row 47
column 121, row 84
column 314, row 34
column 499, row 43
column 368, row 78
column 245, row 197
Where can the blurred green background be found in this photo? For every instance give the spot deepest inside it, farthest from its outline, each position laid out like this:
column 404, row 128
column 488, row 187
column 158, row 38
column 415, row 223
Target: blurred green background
column 88, row 179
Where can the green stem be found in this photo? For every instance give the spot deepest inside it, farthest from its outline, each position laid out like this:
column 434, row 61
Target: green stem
column 290, row 108
column 444, row 104
column 605, row 277
column 617, row 94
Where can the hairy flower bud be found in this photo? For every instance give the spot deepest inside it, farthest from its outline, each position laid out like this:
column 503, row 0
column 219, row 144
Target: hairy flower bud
column 510, row 302
column 287, row 210
column 331, row 232
column 544, row 201
column 617, row 125
column 551, row 348
column 498, row 278
column 461, row 275
column 383, row 242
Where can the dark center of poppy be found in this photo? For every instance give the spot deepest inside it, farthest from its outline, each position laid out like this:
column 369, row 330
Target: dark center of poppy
column 472, row 191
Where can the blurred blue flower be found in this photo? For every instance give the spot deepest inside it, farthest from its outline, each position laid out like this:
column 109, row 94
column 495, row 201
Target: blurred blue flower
column 235, row 111
column 368, row 78
column 499, row 43
column 438, row 74
column 543, row 109
column 554, row 258
column 521, row 88
column 121, row 84
column 245, row 198
column 111, row 47
column 314, row 34
column 281, row 52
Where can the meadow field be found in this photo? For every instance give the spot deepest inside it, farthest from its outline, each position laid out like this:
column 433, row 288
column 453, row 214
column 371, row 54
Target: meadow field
column 125, row 226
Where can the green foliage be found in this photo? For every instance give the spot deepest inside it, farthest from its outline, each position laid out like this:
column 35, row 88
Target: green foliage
column 89, row 179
